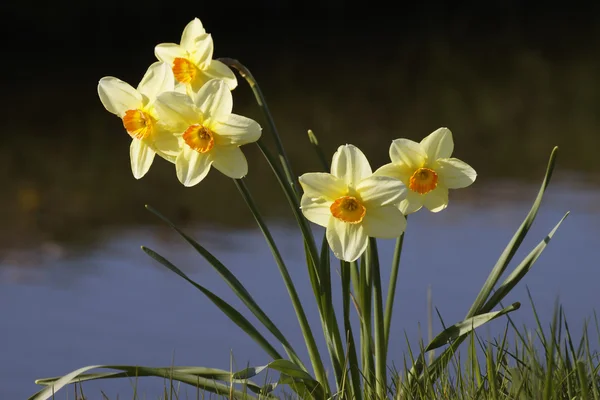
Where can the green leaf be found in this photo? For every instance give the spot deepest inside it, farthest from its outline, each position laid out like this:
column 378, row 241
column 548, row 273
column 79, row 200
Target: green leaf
column 466, row 326
column 514, row 243
column 227, row 309
column 292, row 375
column 521, row 270
column 236, row 286
column 203, row 378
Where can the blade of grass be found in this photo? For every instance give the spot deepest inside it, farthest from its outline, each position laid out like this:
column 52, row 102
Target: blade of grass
column 514, row 243
column 389, row 303
column 380, row 350
column 227, row 309
column 311, row 345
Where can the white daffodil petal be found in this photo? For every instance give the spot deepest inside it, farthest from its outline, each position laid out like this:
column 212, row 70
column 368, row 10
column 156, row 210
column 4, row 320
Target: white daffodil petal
column 412, row 203
column 202, row 51
column 438, row 144
column 348, row 241
column 214, row 100
column 158, row 79
column 192, row 166
column 322, row 184
column 190, row 33
column 350, row 164
column 176, row 111
column 316, row 210
column 166, row 144
column 142, row 156
column 384, row 222
column 436, row 200
column 168, row 52
column 237, row 130
column 230, row 160
column 118, row 96
column 377, row 191
column 408, row 153
column 218, row 70
column 454, row 173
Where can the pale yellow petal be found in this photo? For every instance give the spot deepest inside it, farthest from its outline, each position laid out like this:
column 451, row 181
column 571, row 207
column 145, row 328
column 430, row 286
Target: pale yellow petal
column 176, row 111
column 158, row 79
column 412, row 203
column 398, row 171
column 316, row 210
column 168, row 52
column 322, row 184
column 214, row 100
column 118, row 96
column 384, row 222
column 229, row 160
column 377, row 191
column 141, row 155
column 436, row 200
column 237, row 130
column 192, row 166
column 348, row 241
column 165, row 143
column 216, row 69
column 202, row 51
column 408, row 153
column 454, row 173
column 439, row 144
column 350, row 164
column 191, row 32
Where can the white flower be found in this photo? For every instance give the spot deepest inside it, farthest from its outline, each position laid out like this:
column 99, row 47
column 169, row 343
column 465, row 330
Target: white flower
column 427, row 170
column 210, row 135
column 352, row 203
column 191, row 60
column 136, row 108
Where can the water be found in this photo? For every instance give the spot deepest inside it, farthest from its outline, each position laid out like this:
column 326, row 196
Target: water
column 67, row 306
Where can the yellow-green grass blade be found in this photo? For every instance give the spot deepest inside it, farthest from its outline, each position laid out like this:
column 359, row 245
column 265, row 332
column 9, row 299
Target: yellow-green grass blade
column 227, row 309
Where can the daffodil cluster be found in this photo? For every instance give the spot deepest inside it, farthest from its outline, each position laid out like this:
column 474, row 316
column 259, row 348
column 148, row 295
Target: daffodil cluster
column 353, row 203
column 182, row 111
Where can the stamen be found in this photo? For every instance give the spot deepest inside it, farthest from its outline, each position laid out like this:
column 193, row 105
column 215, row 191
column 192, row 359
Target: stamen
column 138, row 124
column 199, row 138
column 348, row 209
column 424, row 180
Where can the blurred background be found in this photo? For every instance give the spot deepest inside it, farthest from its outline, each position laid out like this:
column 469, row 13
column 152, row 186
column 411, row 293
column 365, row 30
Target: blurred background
column 511, row 79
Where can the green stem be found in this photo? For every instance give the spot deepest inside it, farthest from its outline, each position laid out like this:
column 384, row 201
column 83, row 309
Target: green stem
column 260, row 99
column 380, row 351
column 389, row 304
column 311, row 345
column 351, row 346
column 366, row 287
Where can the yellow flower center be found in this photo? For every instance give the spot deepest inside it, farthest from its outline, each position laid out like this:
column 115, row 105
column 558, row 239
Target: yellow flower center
column 199, row 138
column 184, row 70
column 139, row 124
column 424, row 180
column 348, row 209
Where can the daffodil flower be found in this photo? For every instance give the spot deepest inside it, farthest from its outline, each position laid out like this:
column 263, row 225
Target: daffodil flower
column 210, row 135
column 191, row 60
column 427, row 170
column 352, row 203
column 136, row 108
